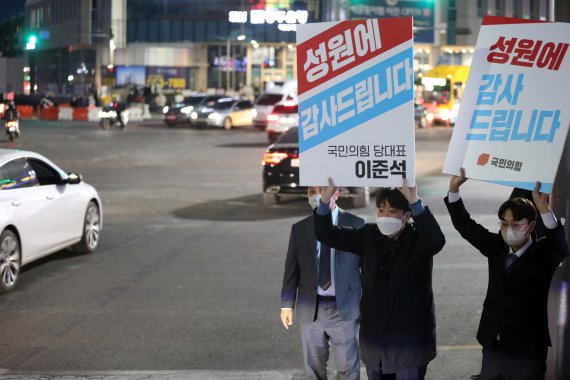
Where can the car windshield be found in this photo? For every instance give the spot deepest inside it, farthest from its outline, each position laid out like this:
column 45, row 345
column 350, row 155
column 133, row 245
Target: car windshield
column 289, row 137
column 269, row 99
column 224, row 104
column 193, row 100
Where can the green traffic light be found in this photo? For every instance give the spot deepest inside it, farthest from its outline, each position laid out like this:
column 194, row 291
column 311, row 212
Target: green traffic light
column 31, row 44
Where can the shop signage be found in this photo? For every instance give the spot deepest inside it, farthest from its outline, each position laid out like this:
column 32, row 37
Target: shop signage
column 421, row 10
column 167, row 77
column 285, row 19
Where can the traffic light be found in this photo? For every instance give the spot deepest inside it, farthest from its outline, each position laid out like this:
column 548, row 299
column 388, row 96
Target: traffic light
column 31, row 42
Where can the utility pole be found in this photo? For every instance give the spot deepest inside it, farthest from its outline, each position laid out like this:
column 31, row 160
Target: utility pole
column 559, row 294
column 31, row 48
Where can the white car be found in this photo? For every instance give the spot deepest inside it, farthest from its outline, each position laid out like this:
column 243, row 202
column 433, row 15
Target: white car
column 281, row 119
column 42, row 210
column 226, row 113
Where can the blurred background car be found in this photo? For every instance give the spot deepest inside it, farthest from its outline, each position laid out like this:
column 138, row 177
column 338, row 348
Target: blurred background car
column 180, row 112
column 276, row 93
column 226, row 113
column 420, row 116
column 281, row 119
column 281, row 173
column 42, row 210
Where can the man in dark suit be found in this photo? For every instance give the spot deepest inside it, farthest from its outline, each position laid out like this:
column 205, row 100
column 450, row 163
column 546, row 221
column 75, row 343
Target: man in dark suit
column 514, row 326
column 323, row 285
column 397, row 327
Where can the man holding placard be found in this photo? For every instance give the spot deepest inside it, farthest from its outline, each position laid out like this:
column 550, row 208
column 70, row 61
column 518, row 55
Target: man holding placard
column 514, row 325
column 397, row 327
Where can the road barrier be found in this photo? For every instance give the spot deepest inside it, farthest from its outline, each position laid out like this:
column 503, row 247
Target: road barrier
column 49, row 113
column 66, row 113
column 26, row 112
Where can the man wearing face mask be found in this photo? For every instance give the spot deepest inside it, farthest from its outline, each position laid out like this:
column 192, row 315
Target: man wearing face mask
column 397, row 326
column 514, row 326
column 323, row 285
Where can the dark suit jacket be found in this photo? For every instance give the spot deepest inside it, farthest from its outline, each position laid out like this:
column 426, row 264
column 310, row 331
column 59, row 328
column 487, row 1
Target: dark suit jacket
column 398, row 320
column 299, row 289
column 515, row 306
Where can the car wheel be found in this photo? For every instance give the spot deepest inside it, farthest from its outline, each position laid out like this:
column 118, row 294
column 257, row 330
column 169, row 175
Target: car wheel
column 10, row 260
column 270, row 199
column 91, row 230
column 228, row 123
column 361, row 198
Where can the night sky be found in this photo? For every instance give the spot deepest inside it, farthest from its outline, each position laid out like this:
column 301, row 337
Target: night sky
column 9, row 8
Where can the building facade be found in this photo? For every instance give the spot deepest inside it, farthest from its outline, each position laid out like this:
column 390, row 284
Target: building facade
column 183, row 45
column 173, row 45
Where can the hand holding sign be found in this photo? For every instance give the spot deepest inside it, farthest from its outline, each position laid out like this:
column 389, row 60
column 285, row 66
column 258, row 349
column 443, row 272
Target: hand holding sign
column 540, row 199
column 456, row 181
column 411, row 193
column 328, row 191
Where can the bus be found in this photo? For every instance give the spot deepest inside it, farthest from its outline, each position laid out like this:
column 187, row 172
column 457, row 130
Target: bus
column 441, row 93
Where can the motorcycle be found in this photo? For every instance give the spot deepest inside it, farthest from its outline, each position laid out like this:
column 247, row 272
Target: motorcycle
column 108, row 117
column 12, row 129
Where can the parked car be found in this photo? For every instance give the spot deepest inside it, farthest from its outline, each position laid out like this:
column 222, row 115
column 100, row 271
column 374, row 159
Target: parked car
column 226, row 113
column 281, row 119
column 42, row 210
column 277, row 93
column 281, row 173
column 180, row 112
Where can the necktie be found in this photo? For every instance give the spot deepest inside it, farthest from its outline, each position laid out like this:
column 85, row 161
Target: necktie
column 510, row 260
column 325, row 267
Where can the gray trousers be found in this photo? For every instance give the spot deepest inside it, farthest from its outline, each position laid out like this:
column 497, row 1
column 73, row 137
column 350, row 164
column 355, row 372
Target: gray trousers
column 342, row 335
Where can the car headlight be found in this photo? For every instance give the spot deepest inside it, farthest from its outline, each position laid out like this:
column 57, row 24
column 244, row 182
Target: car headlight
column 187, row 109
column 165, row 109
column 193, row 115
column 445, row 114
column 430, row 116
column 214, row 116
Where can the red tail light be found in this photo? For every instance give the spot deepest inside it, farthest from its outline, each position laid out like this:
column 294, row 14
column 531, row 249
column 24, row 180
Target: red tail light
column 273, row 158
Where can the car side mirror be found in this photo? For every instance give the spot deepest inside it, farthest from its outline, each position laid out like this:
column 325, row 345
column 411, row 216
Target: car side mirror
column 73, row 178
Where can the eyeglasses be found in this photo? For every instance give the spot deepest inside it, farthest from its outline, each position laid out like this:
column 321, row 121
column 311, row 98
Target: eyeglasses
column 517, row 226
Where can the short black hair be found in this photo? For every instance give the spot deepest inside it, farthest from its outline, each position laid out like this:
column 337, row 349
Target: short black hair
column 394, row 197
column 521, row 208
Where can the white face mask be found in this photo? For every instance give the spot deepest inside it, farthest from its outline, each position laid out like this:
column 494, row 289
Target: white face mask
column 389, row 226
column 514, row 238
column 314, row 200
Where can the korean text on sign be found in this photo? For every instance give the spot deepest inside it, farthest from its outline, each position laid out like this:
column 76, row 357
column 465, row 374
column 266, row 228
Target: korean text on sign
column 526, row 52
column 341, row 49
column 506, row 123
column 354, row 100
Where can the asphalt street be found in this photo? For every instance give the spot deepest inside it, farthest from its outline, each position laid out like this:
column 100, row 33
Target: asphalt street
column 186, row 282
